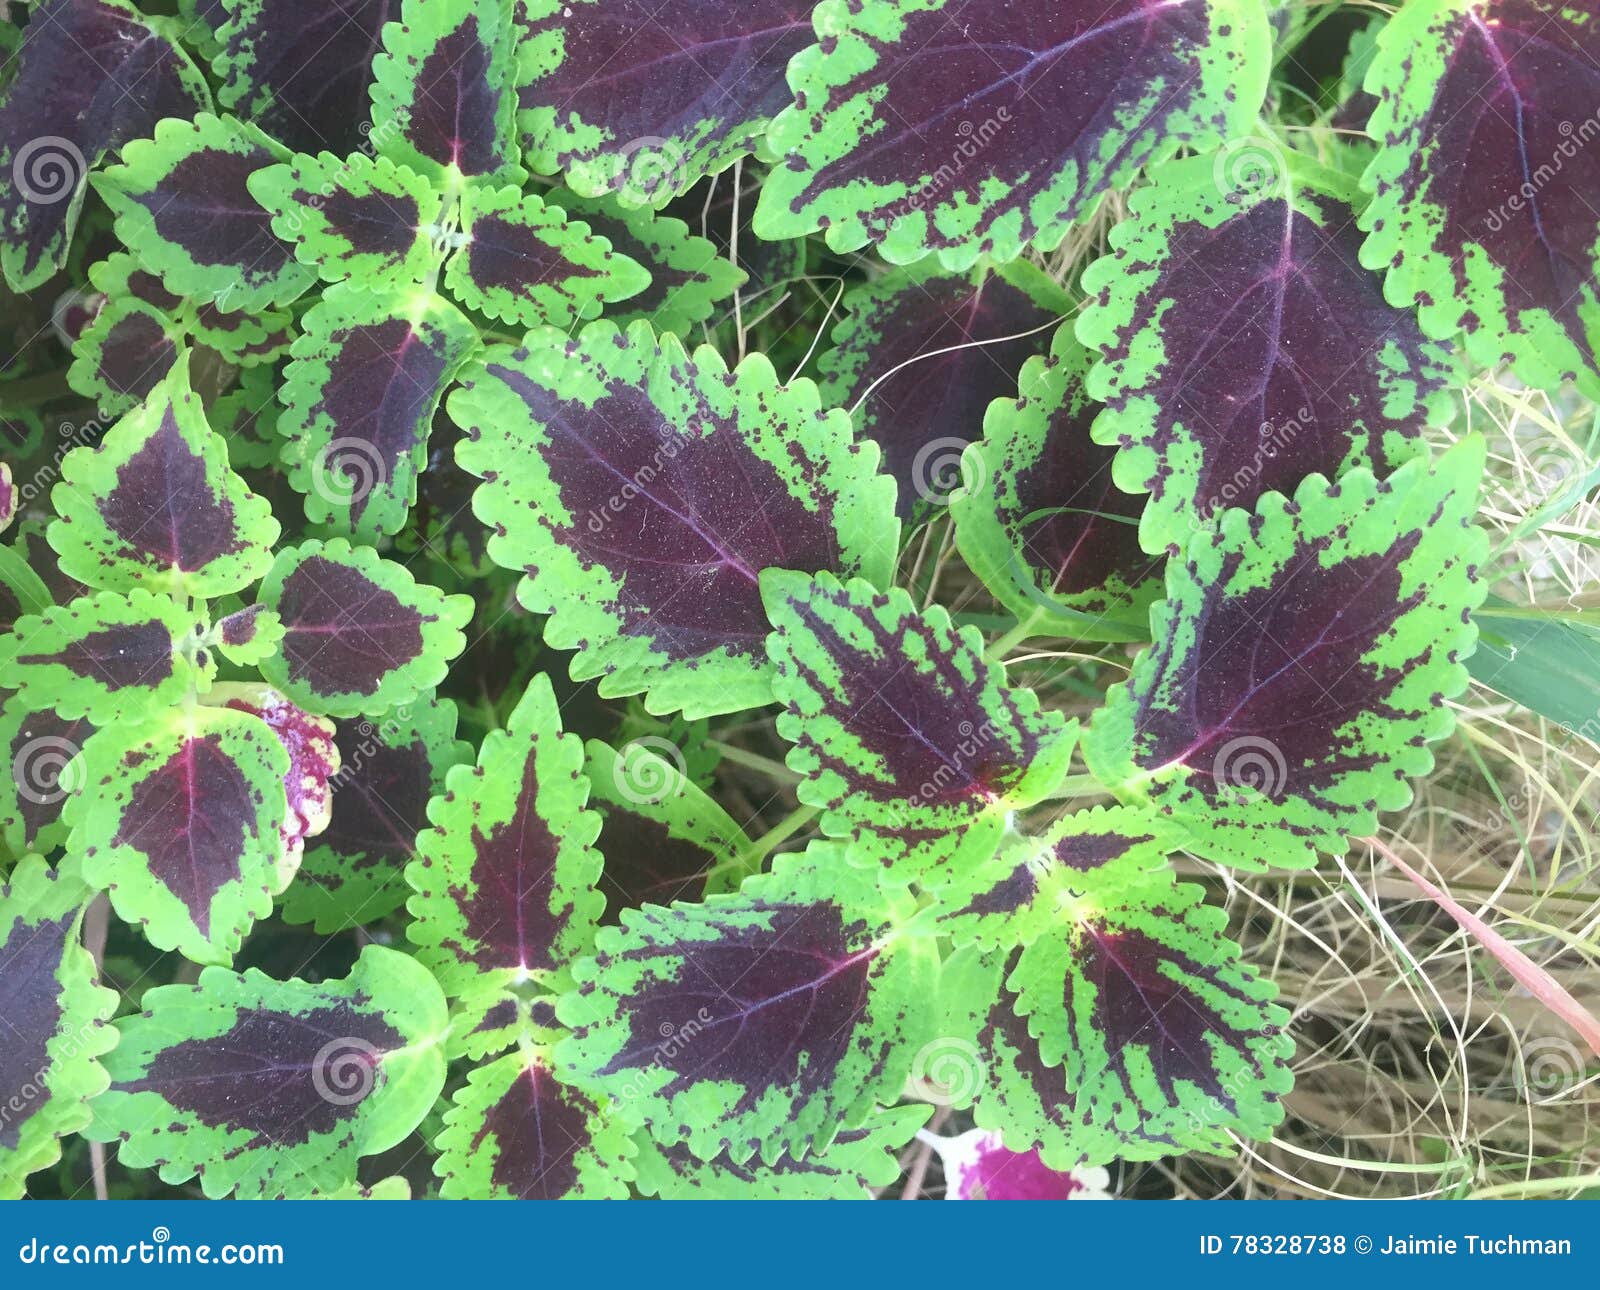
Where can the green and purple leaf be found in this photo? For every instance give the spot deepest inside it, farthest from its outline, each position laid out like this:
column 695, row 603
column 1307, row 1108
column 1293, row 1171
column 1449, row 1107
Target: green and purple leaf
column 969, row 128
column 182, row 818
column 1243, row 347
column 275, row 1088
column 525, row 262
column 641, row 99
column 1485, row 209
column 1039, row 519
column 519, row 1131
column 360, row 634
column 55, row 1015
column 155, row 505
column 506, row 877
column 908, row 739
column 689, row 275
column 358, row 399
column 123, row 354
column 107, row 657
column 767, row 1022
column 89, row 76
column 247, row 635
column 1303, row 660
column 301, row 69
column 353, row 217
column 1162, row 1033
column 353, row 873
column 922, row 353
column 443, row 93
column 651, row 487
column 184, row 208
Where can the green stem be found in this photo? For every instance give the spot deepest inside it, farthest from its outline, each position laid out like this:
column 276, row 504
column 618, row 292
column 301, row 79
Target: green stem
column 754, row 761
column 780, row 833
column 1003, row 643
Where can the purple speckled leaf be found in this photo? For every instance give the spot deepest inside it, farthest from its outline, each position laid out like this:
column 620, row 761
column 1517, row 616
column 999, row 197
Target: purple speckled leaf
column 301, row 68
column 641, row 97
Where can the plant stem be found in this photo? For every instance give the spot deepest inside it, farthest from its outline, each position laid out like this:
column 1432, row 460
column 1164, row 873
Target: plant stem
column 754, row 761
column 1002, row 644
column 780, row 833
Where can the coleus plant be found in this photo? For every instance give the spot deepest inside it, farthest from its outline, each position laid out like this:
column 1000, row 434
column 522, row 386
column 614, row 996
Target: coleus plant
column 365, row 261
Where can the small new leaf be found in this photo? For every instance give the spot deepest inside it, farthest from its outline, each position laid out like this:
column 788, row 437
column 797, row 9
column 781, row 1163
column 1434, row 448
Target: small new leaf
column 522, row 261
column 505, row 878
column 155, row 506
column 353, row 217
column 360, row 634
